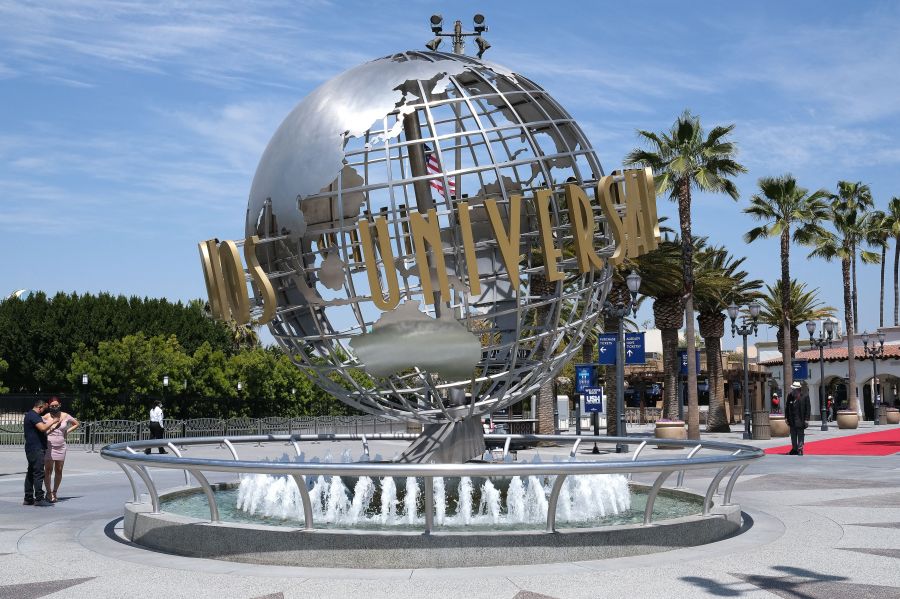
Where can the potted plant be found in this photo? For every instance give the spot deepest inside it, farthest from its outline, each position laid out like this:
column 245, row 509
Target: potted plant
column 847, row 419
column 670, row 429
column 891, row 415
column 778, row 425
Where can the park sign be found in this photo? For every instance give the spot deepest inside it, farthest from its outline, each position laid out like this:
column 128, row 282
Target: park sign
column 635, row 349
column 593, row 400
column 682, row 359
column 801, row 369
column 584, row 377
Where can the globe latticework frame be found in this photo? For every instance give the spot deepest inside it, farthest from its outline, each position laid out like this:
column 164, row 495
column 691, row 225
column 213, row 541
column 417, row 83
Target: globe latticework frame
column 492, row 134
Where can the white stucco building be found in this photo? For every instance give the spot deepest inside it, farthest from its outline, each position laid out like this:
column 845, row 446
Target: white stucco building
column 836, row 371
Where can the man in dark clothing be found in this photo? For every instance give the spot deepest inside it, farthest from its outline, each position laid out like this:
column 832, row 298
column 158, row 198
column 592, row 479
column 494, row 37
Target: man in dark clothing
column 796, row 412
column 35, row 447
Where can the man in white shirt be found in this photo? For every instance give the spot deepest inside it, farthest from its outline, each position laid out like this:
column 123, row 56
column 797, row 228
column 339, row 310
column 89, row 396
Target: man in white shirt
column 156, row 425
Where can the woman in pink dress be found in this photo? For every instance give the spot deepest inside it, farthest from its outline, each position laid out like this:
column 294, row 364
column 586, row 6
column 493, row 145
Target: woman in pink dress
column 56, row 446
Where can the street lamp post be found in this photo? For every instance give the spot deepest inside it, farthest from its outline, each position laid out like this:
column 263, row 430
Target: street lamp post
column 745, row 329
column 619, row 311
column 824, row 338
column 874, row 352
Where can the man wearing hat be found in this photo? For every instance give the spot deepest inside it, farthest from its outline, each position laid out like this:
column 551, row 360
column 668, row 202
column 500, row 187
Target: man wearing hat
column 796, row 412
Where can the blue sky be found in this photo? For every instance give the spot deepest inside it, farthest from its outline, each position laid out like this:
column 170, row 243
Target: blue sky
column 130, row 131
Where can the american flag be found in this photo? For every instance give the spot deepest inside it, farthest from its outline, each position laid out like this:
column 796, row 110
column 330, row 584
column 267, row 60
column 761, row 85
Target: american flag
column 434, row 168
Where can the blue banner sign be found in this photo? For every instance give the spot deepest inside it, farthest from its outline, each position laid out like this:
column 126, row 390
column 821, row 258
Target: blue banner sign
column 584, row 377
column 606, row 347
column 635, row 352
column 593, row 400
column 682, row 359
column 801, row 370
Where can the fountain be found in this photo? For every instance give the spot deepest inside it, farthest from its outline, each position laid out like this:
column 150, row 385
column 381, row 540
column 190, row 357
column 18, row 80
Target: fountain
column 430, row 237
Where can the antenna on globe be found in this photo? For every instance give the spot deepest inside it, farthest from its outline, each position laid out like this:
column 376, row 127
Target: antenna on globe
column 437, row 27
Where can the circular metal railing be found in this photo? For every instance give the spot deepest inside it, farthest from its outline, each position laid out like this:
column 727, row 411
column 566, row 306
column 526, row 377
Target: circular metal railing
column 728, row 459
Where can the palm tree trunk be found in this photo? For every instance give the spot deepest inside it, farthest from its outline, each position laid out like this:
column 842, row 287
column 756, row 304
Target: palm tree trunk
column 853, row 274
column 849, row 323
column 716, row 419
column 787, row 371
column 670, row 372
column 881, row 304
column 896, row 281
column 687, row 257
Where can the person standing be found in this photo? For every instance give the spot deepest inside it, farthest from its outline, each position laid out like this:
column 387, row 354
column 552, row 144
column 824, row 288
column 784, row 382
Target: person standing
column 156, row 425
column 796, row 412
column 831, row 409
column 56, row 452
column 36, row 430
column 776, row 404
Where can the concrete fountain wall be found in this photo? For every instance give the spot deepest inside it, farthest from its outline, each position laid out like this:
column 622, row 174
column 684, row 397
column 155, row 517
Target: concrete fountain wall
column 279, row 545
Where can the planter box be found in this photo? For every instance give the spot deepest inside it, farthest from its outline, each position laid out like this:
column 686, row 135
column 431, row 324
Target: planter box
column 670, row 430
column 847, row 419
column 892, row 416
column 779, row 426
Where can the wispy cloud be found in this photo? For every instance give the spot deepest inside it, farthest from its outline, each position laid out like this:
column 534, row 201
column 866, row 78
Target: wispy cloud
column 225, row 43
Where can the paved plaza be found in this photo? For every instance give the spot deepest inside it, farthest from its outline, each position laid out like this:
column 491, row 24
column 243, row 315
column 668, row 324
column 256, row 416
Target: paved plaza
column 818, row 526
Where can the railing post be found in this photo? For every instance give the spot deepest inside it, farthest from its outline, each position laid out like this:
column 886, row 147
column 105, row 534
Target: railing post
column 692, row 453
column 651, row 496
column 300, row 481
column 554, row 499
column 210, row 496
column 726, row 500
column 708, row 500
column 429, row 505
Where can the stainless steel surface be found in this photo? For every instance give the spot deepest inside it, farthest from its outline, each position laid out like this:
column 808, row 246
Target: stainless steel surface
column 553, row 501
column 134, row 491
column 210, row 496
column 690, row 455
column 654, row 491
column 730, row 457
column 726, row 500
column 352, row 150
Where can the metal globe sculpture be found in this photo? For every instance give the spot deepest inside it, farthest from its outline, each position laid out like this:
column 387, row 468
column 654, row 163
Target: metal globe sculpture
column 410, row 163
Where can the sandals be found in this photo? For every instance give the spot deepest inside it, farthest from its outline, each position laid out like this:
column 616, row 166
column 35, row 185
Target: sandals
column 52, row 497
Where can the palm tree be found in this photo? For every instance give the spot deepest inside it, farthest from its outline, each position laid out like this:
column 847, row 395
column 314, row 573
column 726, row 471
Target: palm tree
column 858, row 197
column 846, row 217
column 720, row 284
column 894, row 221
column 660, row 270
column 781, row 205
column 876, row 235
column 803, row 305
column 683, row 159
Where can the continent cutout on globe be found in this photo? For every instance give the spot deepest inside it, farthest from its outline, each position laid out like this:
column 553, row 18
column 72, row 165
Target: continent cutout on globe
column 404, row 338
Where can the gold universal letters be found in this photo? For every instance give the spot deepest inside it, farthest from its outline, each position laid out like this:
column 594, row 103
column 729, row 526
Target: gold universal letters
column 428, row 230
column 636, row 232
column 387, row 258
column 508, row 244
column 551, row 253
column 226, row 283
column 465, row 224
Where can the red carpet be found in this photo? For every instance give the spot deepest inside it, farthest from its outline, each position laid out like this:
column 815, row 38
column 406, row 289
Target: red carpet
column 885, row 442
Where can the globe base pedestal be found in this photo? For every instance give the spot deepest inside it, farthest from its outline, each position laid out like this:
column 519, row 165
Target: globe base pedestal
column 448, row 443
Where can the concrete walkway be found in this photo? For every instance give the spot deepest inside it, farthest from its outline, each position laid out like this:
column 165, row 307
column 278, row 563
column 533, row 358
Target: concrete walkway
column 822, row 526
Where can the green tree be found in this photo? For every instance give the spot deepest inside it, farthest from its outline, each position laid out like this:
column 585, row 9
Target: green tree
column 721, row 282
column 803, row 305
column 3, row 368
column 846, row 217
column 893, row 215
column 788, row 212
column 683, row 159
column 856, row 196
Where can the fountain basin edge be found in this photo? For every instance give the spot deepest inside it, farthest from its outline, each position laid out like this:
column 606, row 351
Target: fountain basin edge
column 285, row 546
